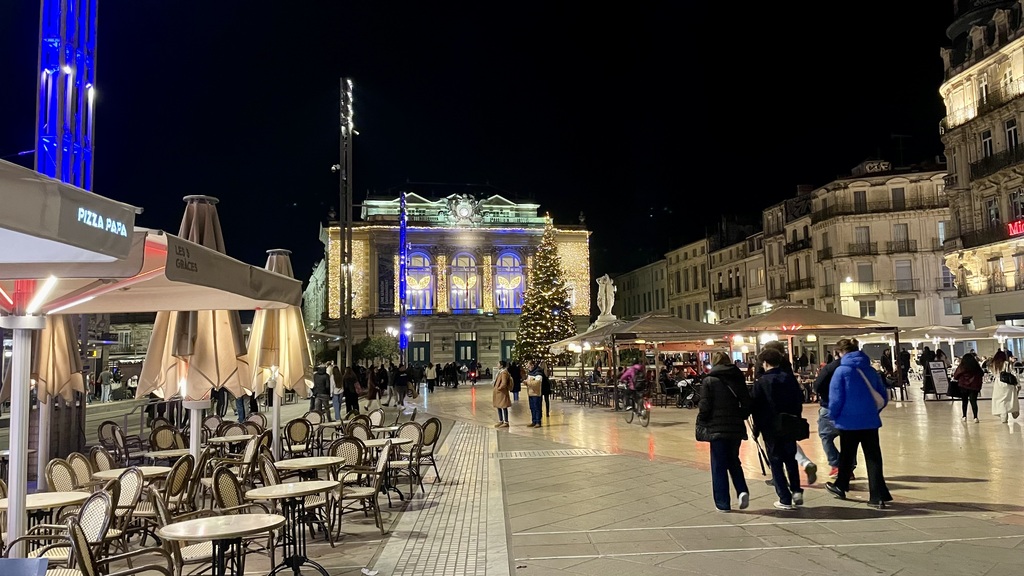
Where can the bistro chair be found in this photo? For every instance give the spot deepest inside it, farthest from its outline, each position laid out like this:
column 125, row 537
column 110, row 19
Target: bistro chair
column 164, row 438
column 102, row 459
column 82, row 467
column 431, row 435
column 253, row 428
column 199, row 484
column 258, row 418
column 314, row 417
column 60, row 477
column 407, row 459
column 365, row 497
column 376, row 417
column 228, row 498
column 130, row 484
column 51, row 540
column 172, row 495
column 87, row 565
column 297, row 436
column 124, row 448
column 184, row 553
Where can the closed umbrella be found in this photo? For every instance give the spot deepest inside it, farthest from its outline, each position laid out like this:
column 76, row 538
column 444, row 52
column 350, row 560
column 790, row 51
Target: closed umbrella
column 56, row 371
column 192, row 353
column 279, row 348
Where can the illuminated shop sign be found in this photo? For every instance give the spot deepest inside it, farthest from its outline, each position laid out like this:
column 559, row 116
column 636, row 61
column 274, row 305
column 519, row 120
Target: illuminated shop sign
column 1015, row 228
column 94, row 220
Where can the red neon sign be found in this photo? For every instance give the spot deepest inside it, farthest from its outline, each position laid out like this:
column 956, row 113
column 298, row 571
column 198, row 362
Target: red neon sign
column 1015, row 228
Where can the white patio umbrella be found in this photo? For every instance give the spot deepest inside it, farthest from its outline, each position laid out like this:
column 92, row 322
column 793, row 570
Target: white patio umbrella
column 279, row 348
column 192, row 353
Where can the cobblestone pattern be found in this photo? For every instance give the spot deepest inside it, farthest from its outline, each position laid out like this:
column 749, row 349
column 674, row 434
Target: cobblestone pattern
column 569, row 453
column 445, row 531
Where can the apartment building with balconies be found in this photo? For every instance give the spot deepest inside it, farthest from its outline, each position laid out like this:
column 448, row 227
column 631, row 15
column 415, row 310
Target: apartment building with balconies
column 728, row 273
column 689, row 294
column 773, row 222
column 756, row 291
column 642, row 291
column 877, row 236
column 982, row 88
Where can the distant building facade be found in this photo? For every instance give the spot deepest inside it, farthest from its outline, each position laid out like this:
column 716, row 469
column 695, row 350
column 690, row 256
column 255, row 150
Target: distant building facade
column 642, row 291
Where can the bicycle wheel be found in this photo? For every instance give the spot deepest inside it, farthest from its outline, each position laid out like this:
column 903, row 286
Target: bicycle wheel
column 645, row 417
column 629, row 415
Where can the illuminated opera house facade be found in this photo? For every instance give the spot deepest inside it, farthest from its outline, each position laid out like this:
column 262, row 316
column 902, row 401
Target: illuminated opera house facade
column 470, row 255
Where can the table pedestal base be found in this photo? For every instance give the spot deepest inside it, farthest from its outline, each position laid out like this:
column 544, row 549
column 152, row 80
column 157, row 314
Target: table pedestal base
column 225, row 551
column 293, row 537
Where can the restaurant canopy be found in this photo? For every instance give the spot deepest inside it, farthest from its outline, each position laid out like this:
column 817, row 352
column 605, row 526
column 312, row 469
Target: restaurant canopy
column 800, row 319
column 46, row 220
column 161, row 272
column 933, row 333
column 652, row 327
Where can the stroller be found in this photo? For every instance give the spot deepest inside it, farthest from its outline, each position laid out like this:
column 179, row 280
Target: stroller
column 689, row 392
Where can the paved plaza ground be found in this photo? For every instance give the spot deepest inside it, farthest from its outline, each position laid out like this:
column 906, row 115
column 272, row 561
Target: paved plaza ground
column 589, row 494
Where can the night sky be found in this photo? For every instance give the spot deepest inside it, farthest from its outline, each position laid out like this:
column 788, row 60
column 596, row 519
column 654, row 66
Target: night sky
column 654, row 121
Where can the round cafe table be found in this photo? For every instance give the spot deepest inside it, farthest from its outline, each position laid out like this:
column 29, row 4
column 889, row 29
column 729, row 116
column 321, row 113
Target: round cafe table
column 293, row 504
column 148, row 472
column 225, row 532
column 311, row 463
column 4, row 455
column 378, row 443
column 230, row 439
column 40, row 503
column 384, row 430
column 171, row 454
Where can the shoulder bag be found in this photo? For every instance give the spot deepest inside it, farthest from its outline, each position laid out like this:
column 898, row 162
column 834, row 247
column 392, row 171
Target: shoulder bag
column 701, row 432
column 879, row 401
column 790, row 426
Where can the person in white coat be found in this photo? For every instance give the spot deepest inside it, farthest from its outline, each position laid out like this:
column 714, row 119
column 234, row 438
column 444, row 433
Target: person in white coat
column 1005, row 392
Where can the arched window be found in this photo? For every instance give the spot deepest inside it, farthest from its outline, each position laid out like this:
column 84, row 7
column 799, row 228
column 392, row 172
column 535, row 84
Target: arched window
column 419, row 284
column 465, row 289
column 509, row 284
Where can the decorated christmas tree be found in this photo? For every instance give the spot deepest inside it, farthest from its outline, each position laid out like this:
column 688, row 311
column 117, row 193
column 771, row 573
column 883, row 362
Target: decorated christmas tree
column 547, row 312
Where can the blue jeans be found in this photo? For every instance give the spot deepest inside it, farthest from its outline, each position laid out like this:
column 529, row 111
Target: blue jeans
column 535, row 404
column 502, row 414
column 828, row 433
column 785, row 471
column 725, row 462
column 336, row 401
column 240, row 404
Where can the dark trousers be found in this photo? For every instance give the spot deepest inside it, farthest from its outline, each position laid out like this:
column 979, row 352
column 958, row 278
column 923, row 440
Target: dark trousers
column 725, row 462
column 351, row 403
column 972, row 397
column 785, row 471
column 322, row 403
column 547, row 404
column 535, row 409
column 849, row 440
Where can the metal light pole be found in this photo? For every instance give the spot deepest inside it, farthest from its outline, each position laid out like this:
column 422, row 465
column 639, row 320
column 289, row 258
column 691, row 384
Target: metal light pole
column 347, row 131
column 404, row 330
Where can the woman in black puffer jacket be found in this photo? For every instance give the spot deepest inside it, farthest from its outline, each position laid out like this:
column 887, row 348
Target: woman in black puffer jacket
column 723, row 410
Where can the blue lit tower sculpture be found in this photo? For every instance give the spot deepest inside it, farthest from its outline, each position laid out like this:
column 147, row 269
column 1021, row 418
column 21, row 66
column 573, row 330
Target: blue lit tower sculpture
column 404, row 329
column 65, row 110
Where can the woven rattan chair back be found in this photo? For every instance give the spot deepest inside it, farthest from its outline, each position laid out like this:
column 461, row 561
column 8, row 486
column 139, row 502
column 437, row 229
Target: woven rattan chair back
column 132, row 483
column 81, row 549
column 120, row 446
column 227, row 491
column 162, row 438
column 376, row 418
column 212, row 421
column 232, row 429
column 266, row 439
column 82, row 467
column 359, row 430
column 298, row 431
column 431, row 431
column 268, row 472
column 94, row 516
column 258, row 419
column 313, row 417
column 3, row 488
column 178, row 478
column 158, row 422
column 411, row 430
column 362, row 419
column 253, row 428
column 351, row 449
column 60, row 477
column 105, row 433
column 102, row 459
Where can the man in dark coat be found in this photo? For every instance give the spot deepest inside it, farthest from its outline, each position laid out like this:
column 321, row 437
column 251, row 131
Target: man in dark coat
column 517, row 380
column 927, row 356
column 722, row 413
column 777, row 392
column 322, row 391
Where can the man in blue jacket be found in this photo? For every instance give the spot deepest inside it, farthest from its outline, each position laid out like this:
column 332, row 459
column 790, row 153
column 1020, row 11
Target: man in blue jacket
column 826, row 428
column 777, row 392
column 853, row 408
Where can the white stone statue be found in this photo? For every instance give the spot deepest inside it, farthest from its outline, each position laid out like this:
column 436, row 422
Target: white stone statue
column 605, row 295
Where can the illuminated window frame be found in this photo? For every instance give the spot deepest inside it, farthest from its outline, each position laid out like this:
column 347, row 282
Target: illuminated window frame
column 509, row 283
column 419, row 284
column 464, row 291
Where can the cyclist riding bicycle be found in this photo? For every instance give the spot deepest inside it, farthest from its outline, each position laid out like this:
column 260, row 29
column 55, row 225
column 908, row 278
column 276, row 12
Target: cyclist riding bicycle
column 634, row 380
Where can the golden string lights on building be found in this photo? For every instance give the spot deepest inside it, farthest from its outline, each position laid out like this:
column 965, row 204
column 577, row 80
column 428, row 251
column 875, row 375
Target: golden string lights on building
column 488, row 284
column 441, row 305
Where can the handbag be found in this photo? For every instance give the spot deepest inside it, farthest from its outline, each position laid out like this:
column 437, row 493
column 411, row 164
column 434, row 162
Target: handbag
column 701, row 432
column 954, row 389
column 879, row 401
column 791, row 427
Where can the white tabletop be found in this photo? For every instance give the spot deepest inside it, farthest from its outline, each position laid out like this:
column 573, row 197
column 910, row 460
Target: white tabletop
column 147, row 472
column 310, row 463
column 291, row 490
column 5, row 453
column 334, row 424
column 46, row 500
column 380, row 429
column 379, row 442
column 230, row 439
column 221, row 527
column 170, row 453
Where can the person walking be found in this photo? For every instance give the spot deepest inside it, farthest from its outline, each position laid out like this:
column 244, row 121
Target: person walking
column 805, row 463
column 241, row 402
column 886, row 363
column 1005, row 389
column 322, row 391
column 545, row 388
column 827, row 430
column 499, row 396
column 337, row 391
column 350, row 390
column 383, row 380
column 776, row 393
column 104, row 378
column 927, row 357
column 904, row 365
column 401, row 385
column 372, row 394
column 431, row 375
column 968, row 376
column 852, row 406
column 534, row 383
column 722, row 412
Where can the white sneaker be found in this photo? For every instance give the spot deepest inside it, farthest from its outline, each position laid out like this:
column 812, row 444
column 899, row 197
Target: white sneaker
column 744, row 500
column 798, row 498
column 976, row 420
column 964, row 419
column 780, row 506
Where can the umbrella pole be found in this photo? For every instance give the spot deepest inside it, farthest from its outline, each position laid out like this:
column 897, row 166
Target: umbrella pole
column 276, row 423
column 17, row 475
column 195, row 424
column 43, row 449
